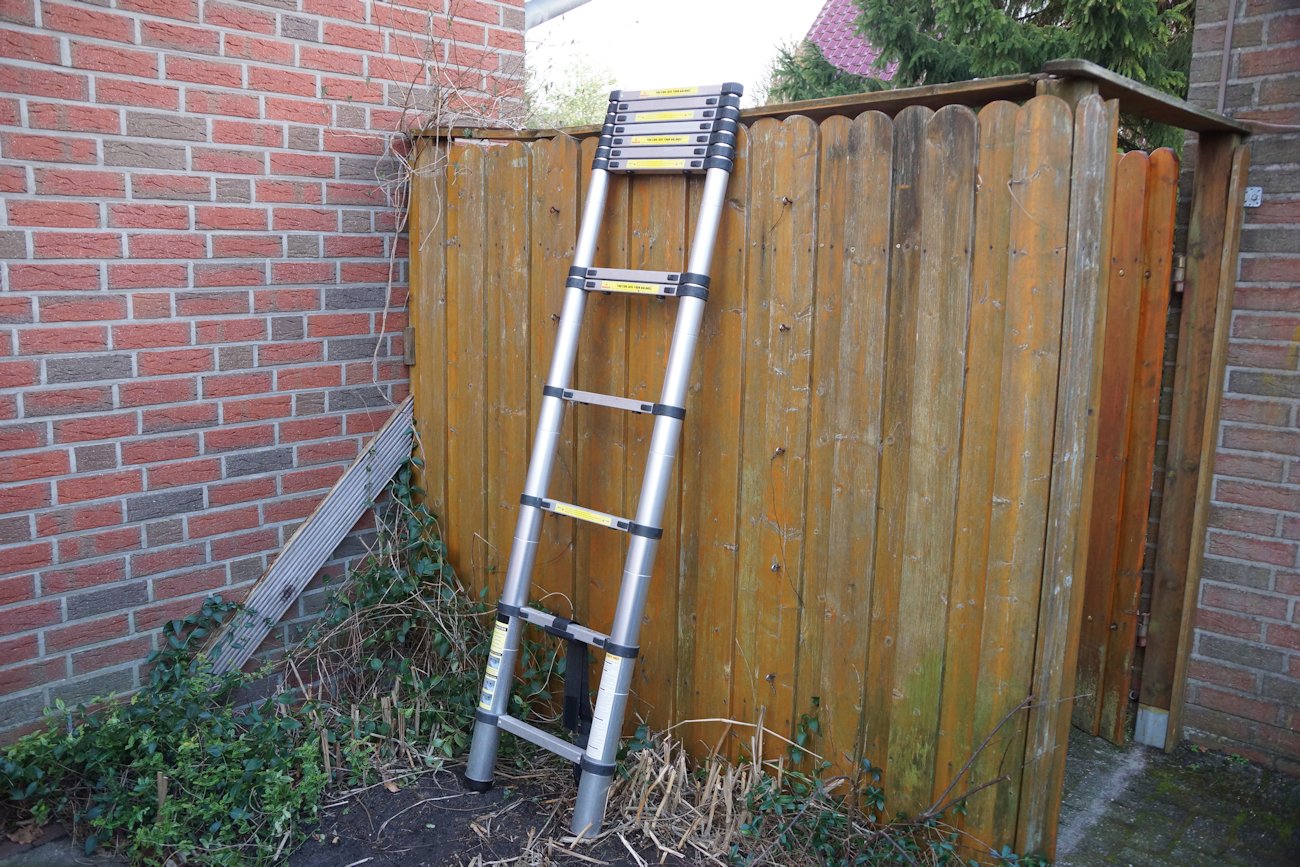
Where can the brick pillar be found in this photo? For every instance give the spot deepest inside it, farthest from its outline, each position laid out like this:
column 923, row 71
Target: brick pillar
column 1244, row 679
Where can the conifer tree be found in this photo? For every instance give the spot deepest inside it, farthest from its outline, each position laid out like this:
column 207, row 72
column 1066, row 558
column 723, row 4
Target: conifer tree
column 937, row 41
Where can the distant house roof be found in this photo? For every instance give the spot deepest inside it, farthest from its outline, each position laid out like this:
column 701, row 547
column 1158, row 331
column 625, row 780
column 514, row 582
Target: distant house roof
column 834, row 33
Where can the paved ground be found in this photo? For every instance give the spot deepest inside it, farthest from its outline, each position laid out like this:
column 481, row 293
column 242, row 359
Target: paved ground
column 1134, row 806
column 1139, row 806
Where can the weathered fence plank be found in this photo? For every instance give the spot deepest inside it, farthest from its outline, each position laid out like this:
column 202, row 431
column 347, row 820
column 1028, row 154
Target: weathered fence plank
column 601, row 433
column 428, row 227
column 506, row 191
column 783, row 202
column 984, row 346
column 896, row 419
column 947, row 200
column 710, row 477
column 1085, row 251
column 1038, row 195
column 851, row 281
column 1119, row 356
column 657, row 215
column 466, row 462
column 554, row 225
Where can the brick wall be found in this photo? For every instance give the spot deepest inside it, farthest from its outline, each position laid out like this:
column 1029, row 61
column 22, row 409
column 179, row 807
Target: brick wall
column 196, row 254
column 1244, row 688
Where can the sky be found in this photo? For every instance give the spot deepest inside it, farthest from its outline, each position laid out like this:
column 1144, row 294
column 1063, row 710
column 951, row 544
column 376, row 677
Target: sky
column 670, row 43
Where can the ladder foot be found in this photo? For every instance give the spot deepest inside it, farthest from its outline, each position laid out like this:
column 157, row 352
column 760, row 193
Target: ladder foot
column 476, row 785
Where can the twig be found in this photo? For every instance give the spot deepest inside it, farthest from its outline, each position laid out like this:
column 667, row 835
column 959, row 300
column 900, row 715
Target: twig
column 628, row 846
column 736, row 722
column 380, row 832
column 939, row 804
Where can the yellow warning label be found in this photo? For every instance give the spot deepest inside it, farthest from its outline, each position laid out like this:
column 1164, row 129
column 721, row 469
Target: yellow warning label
column 661, row 139
column 655, row 164
column 583, row 514
column 662, row 115
column 625, row 286
column 498, row 639
column 670, row 91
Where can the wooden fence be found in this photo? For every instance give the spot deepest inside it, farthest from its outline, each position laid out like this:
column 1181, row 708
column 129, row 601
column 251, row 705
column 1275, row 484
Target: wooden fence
column 883, row 494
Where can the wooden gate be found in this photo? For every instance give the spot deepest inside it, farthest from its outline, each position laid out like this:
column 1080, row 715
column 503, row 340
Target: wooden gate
column 882, row 496
column 1146, row 193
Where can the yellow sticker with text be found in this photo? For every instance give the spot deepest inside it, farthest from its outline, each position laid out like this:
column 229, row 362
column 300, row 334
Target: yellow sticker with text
column 583, row 514
column 642, row 116
column 625, row 286
column 670, row 91
column 498, row 639
column 655, row 164
column 661, row 139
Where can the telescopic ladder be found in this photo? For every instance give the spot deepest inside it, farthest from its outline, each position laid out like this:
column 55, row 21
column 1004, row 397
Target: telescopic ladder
column 688, row 130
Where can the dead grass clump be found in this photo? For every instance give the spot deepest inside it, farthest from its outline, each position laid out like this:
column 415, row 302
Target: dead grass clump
column 668, row 808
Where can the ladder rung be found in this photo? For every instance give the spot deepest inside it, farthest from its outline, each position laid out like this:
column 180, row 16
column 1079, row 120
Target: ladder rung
column 569, row 629
column 690, row 151
column 592, row 398
column 675, row 92
column 632, row 281
column 658, row 166
column 665, row 114
column 661, row 140
column 545, row 740
column 593, row 516
column 637, row 105
column 699, row 127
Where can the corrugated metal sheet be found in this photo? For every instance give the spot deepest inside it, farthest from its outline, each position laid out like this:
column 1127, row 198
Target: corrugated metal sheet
column 310, row 546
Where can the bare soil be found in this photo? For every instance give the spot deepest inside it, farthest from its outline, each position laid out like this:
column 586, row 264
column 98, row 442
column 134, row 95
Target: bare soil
column 436, row 821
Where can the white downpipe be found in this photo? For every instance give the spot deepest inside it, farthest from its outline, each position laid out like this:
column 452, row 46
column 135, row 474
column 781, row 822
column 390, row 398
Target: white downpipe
column 540, row 11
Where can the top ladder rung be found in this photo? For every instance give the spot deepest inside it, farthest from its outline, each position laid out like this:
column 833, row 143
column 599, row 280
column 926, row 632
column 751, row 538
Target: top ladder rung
column 729, row 87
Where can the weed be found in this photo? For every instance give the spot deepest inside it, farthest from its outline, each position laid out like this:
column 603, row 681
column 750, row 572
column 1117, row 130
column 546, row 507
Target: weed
column 382, row 686
column 174, row 772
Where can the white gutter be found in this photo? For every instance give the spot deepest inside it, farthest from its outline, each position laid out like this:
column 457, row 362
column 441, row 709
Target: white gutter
column 540, row 11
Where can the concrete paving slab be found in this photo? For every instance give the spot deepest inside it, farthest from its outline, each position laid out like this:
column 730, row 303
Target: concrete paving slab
column 1138, row 806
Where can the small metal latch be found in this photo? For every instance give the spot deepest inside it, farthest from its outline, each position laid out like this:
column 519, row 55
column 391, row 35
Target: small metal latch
column 408, row 345
column 1144, row 619
column 1180, row 273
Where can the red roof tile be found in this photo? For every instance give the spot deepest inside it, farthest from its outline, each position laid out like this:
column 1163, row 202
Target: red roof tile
column 834, row 33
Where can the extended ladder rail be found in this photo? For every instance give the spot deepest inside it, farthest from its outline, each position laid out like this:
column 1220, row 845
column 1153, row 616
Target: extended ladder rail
column 640, row 121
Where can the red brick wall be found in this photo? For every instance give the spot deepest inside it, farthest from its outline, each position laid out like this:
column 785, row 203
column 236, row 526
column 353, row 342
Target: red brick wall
column 196, row 253
column 1244, row 687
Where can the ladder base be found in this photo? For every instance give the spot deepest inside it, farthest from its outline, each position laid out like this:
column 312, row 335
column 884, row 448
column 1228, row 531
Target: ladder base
column 476, row 785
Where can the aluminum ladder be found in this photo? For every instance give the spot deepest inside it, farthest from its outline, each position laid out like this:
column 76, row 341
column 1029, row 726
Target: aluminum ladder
column 688, row 130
